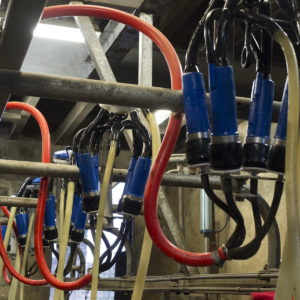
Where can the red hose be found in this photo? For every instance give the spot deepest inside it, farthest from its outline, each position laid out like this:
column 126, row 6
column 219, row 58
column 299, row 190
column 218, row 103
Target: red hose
column 5, row 275
column 170, row 137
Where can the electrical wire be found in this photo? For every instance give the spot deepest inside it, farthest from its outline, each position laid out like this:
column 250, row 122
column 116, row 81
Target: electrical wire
column 103, row 195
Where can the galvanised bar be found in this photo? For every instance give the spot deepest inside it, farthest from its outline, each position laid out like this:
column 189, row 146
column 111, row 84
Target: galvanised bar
column 96, row 91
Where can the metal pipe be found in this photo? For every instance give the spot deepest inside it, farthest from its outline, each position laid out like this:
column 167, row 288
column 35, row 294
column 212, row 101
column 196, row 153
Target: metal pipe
column 18, row 201
column 96, row 91
column 58, row 171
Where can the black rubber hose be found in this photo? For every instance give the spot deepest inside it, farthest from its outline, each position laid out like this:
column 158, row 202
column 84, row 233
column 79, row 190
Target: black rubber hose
column 143, row 133
column 114, row 245
column 252, row 247
column 137, row 144
column 70, row 260
column 89, row 244
column 101, row 119
column 254, row 204
column 22, row 188
column 209, row 34
column 197, row 39
column 238, row 236
column 106, row 266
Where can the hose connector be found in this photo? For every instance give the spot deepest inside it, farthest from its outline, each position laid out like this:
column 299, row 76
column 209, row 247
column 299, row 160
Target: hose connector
column 90, row 182
column 197, row 120
column 131, row 202
column 257, row 144
column 225, row 148
column 50, row 230
column 22, row 226
column 77, row 232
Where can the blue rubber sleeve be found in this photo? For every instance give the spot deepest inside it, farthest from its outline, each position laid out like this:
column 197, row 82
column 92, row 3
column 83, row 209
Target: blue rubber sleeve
column 3, row 230
column 95, row 159
column 22, row 223
column 139, row 178
column 222, row 99
column 282, row 120
column 129, row 175
column 49, row 217
column 260, row 113
column 76, row 206
column 80, row 218
column 87, row 173
column 194, row 97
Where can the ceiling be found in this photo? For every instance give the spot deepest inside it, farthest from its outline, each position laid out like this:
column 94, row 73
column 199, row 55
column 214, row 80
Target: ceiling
column 175, row 18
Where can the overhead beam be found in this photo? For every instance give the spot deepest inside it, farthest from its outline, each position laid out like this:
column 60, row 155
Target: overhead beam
column 20, row 21
column 96, row 91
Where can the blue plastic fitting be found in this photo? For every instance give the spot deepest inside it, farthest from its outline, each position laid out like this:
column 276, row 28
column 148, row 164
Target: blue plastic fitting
column 61, row 155
column 88, row 175
column 80, row 218
column 194, row 96
column 76, row 206
column 282, row 120
column 49, row 218
column 222, row 99
column 139, row 178
column 260, row 113
column 22, row 224
column 3, row 230
column 95, row 159
column 129, row 175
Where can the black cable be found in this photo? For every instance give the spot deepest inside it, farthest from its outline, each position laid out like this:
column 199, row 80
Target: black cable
column 254, row 204
column 56, row 254
column 197, row 39
column 224, row 226
column 252, row 247
column 32, row 270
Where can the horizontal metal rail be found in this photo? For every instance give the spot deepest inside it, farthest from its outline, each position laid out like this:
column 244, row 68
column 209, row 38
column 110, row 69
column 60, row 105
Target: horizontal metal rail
column 37, row 169
column 96, row 91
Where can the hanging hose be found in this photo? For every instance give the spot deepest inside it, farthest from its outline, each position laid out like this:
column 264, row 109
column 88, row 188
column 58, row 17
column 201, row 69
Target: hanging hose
column 64, row 239
column 25, row 255
column 14, row 282
column 103, row 195
column 147, row 242
column 61, row 211
column 10, row 224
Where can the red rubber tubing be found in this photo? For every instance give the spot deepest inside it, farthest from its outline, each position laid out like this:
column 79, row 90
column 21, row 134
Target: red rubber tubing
column 5, row 275
column 46, row 153
column 172, row 132
column 40, row 211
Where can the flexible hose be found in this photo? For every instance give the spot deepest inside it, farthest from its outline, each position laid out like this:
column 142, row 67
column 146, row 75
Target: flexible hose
column 14, row 282
column 103, row 195
column 5, row 275
column 254, row 204
column 289, row 275
column 11, row 216
column 147, row 242
column 175, row 121
column 46, row 158
column 61, row 211
column 58, row 294
column 26, row 250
